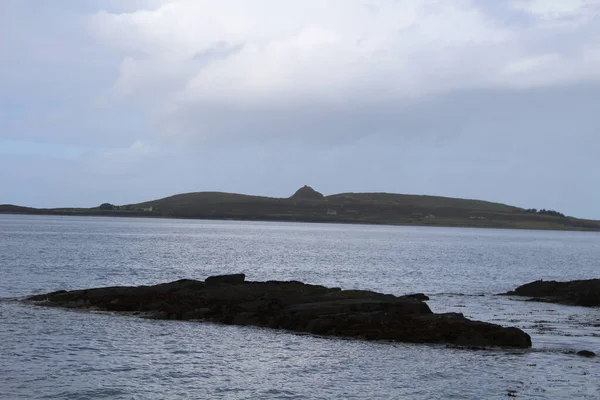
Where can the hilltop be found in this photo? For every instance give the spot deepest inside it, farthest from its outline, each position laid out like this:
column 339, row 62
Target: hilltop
column 307, row 193
column 308, row 205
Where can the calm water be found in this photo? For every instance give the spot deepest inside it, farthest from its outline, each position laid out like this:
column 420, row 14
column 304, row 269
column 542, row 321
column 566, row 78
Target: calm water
column 59, row 354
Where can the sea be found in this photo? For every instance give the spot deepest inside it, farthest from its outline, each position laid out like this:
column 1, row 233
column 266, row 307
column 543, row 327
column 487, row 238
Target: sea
column 50, row 353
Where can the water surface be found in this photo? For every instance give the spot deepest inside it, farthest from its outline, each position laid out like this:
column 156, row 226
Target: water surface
column 52, row 353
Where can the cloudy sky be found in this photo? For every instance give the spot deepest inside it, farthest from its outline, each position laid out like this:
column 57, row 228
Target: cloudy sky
column 123, row 101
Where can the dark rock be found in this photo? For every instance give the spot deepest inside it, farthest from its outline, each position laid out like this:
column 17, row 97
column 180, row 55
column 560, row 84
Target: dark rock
column 581, row 293
column 418, row 296
column 293, row 306
column 232, row 279
column 197, row 313
column 586, row 353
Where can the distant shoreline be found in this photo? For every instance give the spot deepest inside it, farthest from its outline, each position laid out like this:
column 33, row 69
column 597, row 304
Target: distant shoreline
column 307, row 205
column 308, row 221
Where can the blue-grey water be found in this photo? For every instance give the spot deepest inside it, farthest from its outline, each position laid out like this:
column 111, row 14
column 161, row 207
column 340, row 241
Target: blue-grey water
column 50, row 353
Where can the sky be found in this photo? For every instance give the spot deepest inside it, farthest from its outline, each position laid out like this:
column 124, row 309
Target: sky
column 124, row 101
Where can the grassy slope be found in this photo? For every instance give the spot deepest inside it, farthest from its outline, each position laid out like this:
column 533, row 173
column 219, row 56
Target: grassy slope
column 9, row 208
column 381, row 208
column 421, row 201
column 378, row 208
column 189, row 199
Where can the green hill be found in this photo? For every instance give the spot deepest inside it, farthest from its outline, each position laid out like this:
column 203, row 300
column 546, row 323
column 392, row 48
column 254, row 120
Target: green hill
column 12, row 209
column 429, row 202
column 308, row 205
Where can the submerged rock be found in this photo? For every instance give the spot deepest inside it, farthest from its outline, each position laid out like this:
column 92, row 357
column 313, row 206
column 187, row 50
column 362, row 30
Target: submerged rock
column 293, row 306
column 417, row 296
column 580, row 293
column 586, row 353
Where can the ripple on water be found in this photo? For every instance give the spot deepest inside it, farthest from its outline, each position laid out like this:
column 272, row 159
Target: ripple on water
column 52, row 353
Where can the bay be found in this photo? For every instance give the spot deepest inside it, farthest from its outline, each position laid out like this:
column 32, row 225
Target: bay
column 52, row 353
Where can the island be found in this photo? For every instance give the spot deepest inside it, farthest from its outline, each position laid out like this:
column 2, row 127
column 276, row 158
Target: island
column 293, row 306
column 309, row 205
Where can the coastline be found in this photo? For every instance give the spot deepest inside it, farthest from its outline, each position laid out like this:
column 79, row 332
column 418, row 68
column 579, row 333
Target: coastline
column 491, row 224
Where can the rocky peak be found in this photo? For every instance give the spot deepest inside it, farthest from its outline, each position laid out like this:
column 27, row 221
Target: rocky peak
column 307, row 193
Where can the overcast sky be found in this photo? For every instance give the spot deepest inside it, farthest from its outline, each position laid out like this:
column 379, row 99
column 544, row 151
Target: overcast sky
column 123, row 101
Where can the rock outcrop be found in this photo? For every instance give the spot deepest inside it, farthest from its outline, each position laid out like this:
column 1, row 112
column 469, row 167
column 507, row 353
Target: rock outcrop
column 580, row 293
column 307, row 193
column 293, row 306
column 586, row 353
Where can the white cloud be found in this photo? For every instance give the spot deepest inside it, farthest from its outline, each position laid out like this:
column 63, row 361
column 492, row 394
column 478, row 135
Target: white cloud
column 184, row 59
column 557, row 8
column 295, row 49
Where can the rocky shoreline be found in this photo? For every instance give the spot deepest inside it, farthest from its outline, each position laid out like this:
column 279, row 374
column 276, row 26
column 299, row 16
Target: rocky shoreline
column 584, row 293
column 293, row 306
